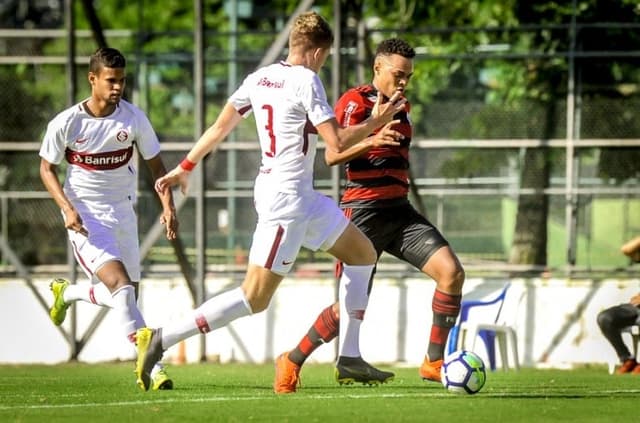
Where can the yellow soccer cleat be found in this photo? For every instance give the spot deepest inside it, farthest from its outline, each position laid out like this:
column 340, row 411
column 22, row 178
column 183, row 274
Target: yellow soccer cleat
column 58, row 310
column 149, row 348
column 161, row 381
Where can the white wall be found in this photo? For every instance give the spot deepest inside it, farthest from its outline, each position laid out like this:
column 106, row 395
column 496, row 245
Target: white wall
column 555, row 321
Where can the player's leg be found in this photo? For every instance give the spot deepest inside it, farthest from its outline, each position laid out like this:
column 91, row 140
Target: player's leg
column 123, row 296
column 323, row 330
column 217, row 312
column 129, row 249
column 445, row 268
column 273, row 251
column 66, row 293
column 288, row 364
column 611, row 321
column 357, row 254
column 421, row 244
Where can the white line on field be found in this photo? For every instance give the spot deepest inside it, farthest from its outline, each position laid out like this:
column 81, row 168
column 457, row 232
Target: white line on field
column 211, row 399
column 591, row 394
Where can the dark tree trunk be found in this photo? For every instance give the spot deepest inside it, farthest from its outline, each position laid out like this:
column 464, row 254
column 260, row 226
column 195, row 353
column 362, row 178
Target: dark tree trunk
column 530, row 236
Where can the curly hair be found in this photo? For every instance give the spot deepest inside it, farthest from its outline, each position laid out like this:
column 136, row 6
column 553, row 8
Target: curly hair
column 310, row 30
column 395, row 46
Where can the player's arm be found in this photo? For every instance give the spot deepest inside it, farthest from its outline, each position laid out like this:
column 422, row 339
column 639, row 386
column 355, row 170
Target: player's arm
column 339, row 139
column 209, row 141
column 49, row 177
column 386, row 137
column 168, row 217
column 631, row 249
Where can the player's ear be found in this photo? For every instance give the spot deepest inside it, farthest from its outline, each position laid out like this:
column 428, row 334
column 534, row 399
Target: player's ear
column 91, row 77
column 319, row 52
column 376, row 66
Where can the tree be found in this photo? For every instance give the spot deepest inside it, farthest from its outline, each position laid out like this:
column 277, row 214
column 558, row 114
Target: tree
column 533, row 87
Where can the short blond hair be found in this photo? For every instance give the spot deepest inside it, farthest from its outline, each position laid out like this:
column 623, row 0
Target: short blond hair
column 310, row 30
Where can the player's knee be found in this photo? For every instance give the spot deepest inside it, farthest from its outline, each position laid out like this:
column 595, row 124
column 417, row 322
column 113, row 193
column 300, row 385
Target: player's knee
column 257, row 299
column 452, row 280
column 458, row 277
column 258, row 304
column 604, row 320
column 336, row 310
column 114, row 284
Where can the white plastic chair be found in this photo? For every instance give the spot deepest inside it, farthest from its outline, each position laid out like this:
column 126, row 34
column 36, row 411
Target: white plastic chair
column 496, row 327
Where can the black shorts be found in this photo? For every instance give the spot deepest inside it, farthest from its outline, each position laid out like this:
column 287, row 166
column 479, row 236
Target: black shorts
column 400, row 231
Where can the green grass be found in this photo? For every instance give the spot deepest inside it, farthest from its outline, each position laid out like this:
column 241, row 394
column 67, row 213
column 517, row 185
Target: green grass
column 239, row 393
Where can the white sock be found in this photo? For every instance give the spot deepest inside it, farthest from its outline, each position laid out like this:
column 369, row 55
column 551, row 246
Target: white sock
column 156, row 368
column 353, row 297
column 97, row 293
column 212, row 314
column 129, row 311
column 124, row 304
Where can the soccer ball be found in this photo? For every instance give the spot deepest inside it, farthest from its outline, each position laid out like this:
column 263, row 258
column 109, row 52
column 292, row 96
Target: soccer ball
column 463, row 372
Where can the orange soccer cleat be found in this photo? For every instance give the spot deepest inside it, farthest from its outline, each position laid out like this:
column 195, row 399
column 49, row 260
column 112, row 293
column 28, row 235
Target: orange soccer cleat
column 287, row 377
column 430, row 370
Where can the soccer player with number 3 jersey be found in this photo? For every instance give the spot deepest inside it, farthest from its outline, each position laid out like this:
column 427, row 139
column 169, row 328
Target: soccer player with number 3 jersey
column 290, row 107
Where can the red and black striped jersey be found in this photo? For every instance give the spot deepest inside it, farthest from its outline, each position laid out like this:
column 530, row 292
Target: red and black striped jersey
column 379, row 177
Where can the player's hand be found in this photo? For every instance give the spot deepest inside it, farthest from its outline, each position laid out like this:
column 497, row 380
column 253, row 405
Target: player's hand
column 178, row 176
column 386, row 111
column 170, row 221
column 73, row 221
column 387, row 136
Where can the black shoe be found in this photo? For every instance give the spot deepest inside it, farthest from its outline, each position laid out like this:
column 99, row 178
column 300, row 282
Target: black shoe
column 355, row 369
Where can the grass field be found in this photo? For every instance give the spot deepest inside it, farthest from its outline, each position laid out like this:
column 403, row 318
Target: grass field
column 240, row 392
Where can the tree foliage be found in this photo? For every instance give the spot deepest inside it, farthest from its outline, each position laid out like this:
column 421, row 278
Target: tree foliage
column 486, row 69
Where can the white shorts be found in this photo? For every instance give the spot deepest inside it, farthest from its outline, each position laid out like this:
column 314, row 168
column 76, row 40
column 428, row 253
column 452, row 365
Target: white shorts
column 113, row 235
column 287, row 222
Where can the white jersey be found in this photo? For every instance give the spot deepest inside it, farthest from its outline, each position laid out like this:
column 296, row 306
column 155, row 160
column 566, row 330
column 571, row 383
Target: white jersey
column 288, row 103
column 99, row 151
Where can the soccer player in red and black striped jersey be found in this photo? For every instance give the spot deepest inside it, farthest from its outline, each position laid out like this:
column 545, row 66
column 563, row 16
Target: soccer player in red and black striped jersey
column 376, row 200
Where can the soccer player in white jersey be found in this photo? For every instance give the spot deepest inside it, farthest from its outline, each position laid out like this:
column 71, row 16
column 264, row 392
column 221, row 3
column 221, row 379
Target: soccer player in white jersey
column 290, row 107
column 96, row 137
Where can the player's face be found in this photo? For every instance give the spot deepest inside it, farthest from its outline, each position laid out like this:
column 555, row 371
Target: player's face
column 392, row 73
column 108, row 84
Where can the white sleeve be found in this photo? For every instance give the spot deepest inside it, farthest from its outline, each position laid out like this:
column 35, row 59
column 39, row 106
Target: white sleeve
column 314, row 99
column 53, row 144
column 146, row 138
column 240, row 98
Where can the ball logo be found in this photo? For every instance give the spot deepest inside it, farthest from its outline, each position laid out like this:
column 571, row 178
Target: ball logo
column 122, row 136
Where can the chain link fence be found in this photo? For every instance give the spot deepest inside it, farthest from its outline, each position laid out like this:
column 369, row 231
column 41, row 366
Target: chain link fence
column 468, row 152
